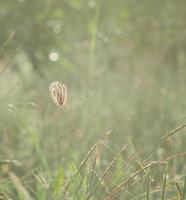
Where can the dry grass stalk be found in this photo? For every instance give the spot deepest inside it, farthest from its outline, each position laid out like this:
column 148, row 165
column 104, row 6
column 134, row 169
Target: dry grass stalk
column 19, row 186
column 116, row 190
column 79, row 169
column 113, row 162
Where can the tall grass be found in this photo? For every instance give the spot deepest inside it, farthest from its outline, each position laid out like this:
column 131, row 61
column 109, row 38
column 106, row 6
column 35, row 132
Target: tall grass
column 107, row 142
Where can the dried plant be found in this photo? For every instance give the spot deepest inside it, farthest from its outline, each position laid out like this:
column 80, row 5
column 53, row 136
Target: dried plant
column 59, row 93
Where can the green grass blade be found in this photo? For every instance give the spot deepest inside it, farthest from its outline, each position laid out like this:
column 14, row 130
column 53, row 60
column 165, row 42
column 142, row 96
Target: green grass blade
column 164, row 185
column 184, row 189
column 148, row 187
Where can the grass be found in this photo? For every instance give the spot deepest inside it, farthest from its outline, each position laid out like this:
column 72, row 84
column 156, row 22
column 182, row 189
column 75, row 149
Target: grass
column 122, row 177
column 107, row 142
column 44, row 167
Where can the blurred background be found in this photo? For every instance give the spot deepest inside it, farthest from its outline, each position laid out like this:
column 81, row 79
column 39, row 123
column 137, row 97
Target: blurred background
column 124, row 64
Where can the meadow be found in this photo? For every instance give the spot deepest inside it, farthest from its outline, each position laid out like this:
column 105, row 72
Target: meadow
column 122, row 132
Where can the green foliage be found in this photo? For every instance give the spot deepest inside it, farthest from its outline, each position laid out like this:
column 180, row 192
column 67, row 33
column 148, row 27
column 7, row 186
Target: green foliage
column 124, row 67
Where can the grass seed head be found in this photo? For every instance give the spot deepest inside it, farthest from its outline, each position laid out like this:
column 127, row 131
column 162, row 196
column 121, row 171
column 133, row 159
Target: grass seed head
column 58, row 92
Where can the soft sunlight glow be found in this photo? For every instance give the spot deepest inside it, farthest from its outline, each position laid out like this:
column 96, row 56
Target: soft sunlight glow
column 53, row 56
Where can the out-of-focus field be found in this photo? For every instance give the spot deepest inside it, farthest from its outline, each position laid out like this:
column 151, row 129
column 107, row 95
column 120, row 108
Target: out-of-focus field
column 121, row 134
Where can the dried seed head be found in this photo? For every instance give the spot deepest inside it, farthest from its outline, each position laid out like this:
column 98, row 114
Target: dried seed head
column 59, row 93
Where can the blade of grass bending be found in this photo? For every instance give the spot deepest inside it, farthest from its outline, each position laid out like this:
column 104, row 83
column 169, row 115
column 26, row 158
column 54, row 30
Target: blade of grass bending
column 148, row 187
column 164, row 184
column 184, row 189
column 160, row 142
column 176, row 156
column 10, row 37
column 133, row 184
column 89, row 194
column 140, row 162
column 109, row 167
column 79, row 169
column 116, row 190
column 93, row 169
column 76, row 193
column 179, row 191
column 113, row 162
column 21, row 189
column 86, row 158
